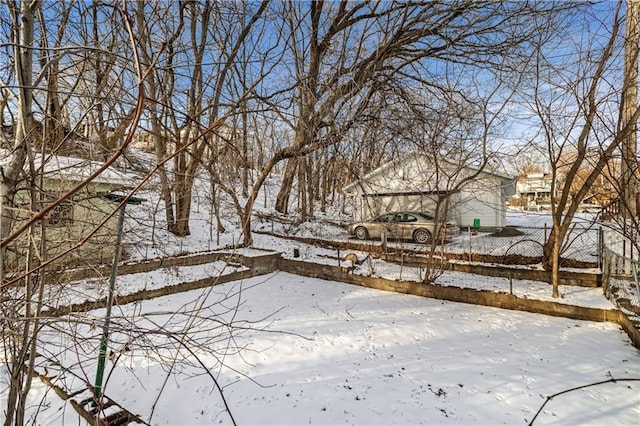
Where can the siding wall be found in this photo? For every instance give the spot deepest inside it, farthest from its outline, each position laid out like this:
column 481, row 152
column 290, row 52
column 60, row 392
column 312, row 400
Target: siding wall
column 482, row 198
column 89, row 208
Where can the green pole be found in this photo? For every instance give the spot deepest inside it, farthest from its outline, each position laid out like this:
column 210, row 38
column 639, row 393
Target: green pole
column 97, row 389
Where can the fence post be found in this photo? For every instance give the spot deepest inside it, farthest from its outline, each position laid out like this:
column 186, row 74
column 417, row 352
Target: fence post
column 469, row 229
column 510, row 283
column 605, row 275
column 600, row 247
column 383, row 240
column 634, row 268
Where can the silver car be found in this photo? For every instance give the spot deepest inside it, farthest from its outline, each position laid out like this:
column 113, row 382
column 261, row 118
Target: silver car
column 417, row 226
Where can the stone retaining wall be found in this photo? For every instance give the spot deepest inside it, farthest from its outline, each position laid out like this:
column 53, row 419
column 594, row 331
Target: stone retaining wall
column 573, row 278
column 267, row 261
column 259, row 265
column 158, row 292
column 463, row 295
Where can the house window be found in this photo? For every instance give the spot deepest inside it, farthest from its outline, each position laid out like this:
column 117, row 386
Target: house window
column 61, row 214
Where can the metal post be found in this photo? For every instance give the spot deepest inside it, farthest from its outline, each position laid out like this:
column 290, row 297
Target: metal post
column 600, row 247
column 97, row 389
column 469, row 229
column 634, row 268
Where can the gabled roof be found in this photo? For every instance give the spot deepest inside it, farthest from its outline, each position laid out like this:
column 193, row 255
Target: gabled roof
column 77, row 169
column 416, row 156
column 71, row 169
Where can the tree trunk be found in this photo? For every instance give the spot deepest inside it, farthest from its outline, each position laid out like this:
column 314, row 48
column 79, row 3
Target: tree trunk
column 302, row 195
column 245, row 151
column 551, row 256
column 547, row 251
column 324, row 185
column 165, row 184
column 312, row 193
column 555, row 267
column 20, row 353
column 216, row 207
column 183, row 206
column 629, row 180
column 282, row 200
column 23, row 48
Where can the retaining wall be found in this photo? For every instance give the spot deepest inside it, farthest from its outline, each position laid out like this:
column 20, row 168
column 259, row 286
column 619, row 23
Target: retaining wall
column 259, row 265
column 573, row 278
column 463, row 295
column 265, row 264
column 262, row 265
column 582, row 279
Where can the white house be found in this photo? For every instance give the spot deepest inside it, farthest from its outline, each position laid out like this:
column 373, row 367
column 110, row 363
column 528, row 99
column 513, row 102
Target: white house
column 415, row 182
column 534, row 190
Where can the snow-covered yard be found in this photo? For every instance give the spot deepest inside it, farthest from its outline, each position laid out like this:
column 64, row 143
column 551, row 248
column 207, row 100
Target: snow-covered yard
column 319, row 352
column 292, row 350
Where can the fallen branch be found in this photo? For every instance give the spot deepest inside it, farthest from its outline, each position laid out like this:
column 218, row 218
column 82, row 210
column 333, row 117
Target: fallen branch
column 549, row 398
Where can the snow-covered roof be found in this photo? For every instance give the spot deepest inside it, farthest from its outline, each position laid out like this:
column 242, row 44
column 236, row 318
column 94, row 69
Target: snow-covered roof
column 75, row 170
column 414, row 157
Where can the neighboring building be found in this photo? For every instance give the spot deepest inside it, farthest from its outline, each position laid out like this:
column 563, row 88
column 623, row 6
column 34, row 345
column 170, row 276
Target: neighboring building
column 415, row 183
column 75, row 218
column 533, row 191
column 143, row 139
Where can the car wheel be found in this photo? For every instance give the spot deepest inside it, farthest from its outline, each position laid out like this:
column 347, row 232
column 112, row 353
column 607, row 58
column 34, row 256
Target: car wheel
column 362, row 233
column 422, row 236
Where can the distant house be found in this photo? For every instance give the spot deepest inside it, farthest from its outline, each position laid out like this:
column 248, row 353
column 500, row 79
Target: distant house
column 75, row 218
column 533, row 191
column 416, row 183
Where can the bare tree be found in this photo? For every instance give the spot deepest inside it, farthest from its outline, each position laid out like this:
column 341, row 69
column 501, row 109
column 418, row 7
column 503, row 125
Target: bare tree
column 628, row 117
column 342, row 64
column 204, row 43
column 22, row 17
column 18, row 335
column 573, row 101
column 621, row 176
column 39, row 93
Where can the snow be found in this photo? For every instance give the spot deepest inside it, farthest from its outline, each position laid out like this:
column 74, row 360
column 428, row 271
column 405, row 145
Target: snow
column 75, row 169
column 320, row 352
column 292, row 350
column 93, row 289
column 533, row 219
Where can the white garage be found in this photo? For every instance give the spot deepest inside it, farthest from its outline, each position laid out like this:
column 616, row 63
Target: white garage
column 417, row 183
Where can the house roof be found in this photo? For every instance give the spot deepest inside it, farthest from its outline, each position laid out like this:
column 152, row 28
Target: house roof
column 414, row 156
column 76, row 170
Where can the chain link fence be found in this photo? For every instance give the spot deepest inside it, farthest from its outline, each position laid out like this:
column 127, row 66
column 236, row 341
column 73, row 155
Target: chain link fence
column 582, row 243
column 620, row 267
